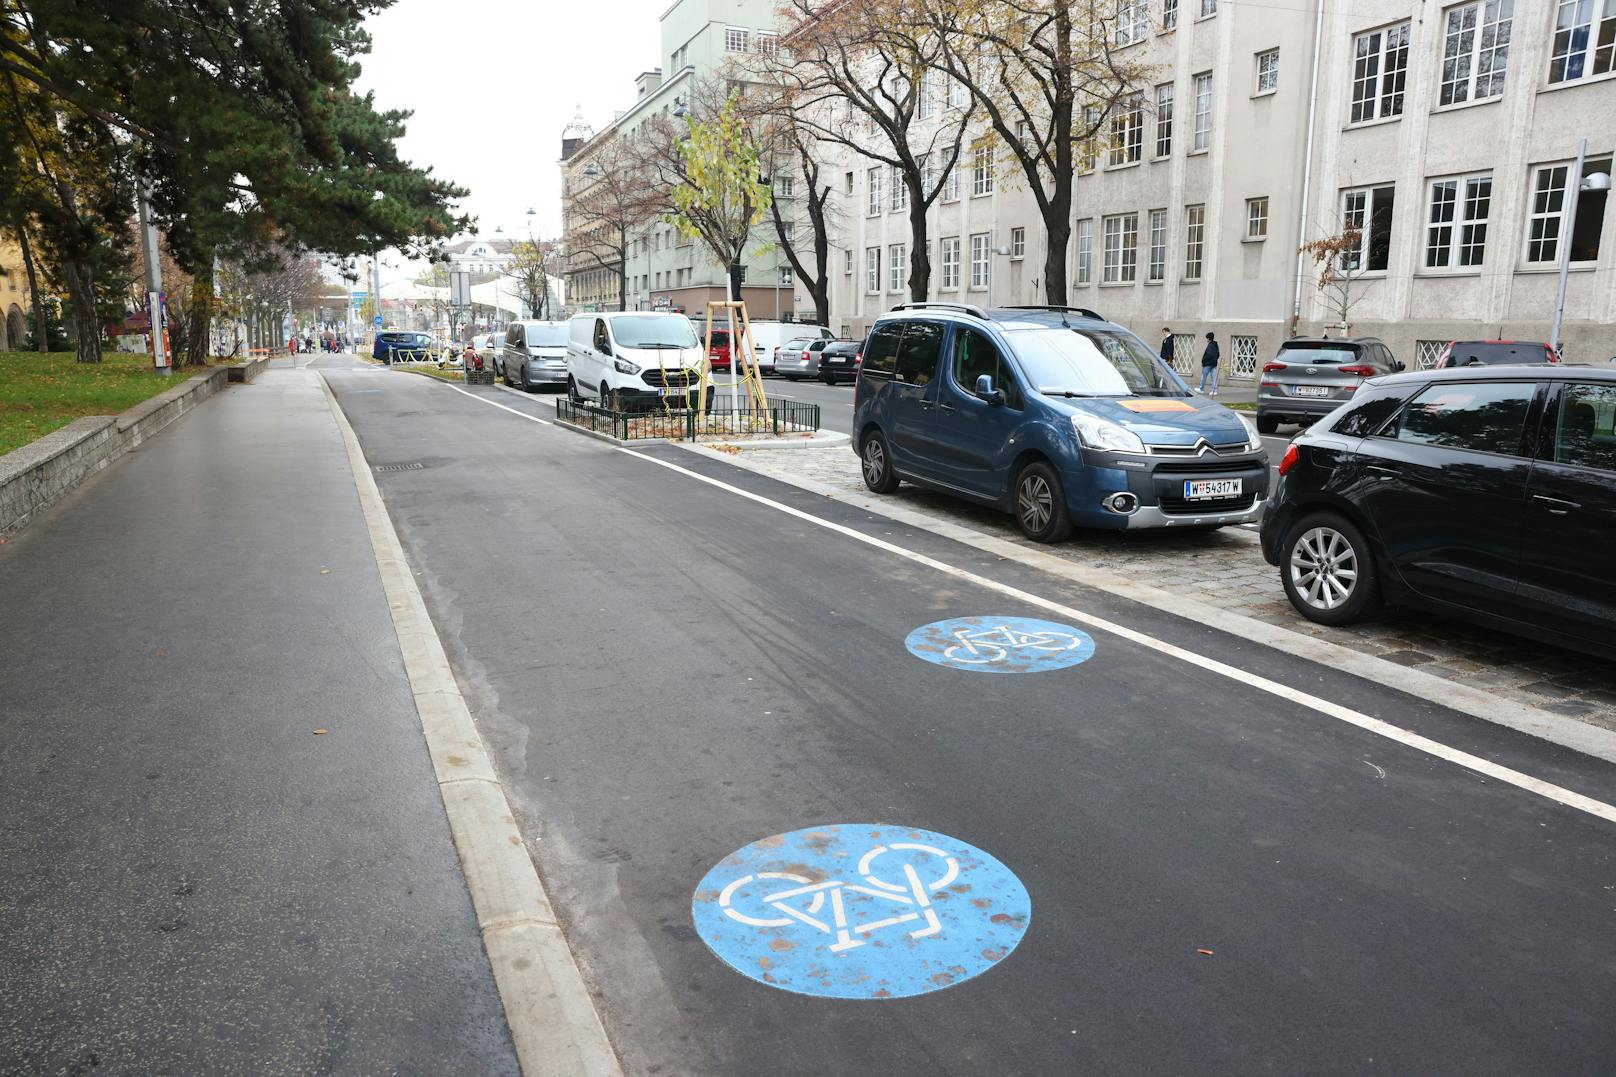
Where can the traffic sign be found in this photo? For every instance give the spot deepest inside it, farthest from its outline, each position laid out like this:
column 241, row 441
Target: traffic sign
column 377, row 321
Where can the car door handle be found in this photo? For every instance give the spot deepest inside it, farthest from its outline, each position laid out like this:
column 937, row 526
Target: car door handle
column 945, row 406
column 927, row 405
column 1557, row 505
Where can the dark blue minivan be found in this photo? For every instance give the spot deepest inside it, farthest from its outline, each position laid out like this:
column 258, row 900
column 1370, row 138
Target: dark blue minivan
column 1053, row 414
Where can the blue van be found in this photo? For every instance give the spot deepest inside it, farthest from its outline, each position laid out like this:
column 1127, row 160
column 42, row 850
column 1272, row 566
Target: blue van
column 1053, row 414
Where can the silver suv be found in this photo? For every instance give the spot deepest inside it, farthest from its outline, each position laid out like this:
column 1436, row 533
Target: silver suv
column 1312, row 376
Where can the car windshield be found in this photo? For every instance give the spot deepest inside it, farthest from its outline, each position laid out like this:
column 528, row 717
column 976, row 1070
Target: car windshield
column 654, row 331
column 547, row 336
column 1092, row 362
column 1317, row 356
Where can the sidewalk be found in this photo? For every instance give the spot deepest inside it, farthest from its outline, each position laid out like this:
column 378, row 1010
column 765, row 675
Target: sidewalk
column 224, row 846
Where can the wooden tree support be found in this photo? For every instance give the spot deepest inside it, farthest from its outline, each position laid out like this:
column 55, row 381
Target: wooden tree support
column 741, row 347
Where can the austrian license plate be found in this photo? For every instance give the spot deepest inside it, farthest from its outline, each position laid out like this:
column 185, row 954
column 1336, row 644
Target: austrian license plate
column 1312, row 390
column 1212, row 489
column 836, row 362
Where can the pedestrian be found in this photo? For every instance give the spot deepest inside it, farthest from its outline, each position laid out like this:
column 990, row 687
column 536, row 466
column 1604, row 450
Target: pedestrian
column 1167, row 346
column 1209, row 364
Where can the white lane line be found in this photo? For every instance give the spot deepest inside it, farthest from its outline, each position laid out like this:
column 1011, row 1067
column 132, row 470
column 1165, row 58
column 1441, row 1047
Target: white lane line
column 1402, row 736
column 1381, row 728
column 501, row 407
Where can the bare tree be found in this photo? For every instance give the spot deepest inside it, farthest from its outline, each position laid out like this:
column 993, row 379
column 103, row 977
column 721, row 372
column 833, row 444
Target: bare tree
column 616, row 199
column 532, row 264
column 853, row 73
column 1338, row 264
column 1049, row 77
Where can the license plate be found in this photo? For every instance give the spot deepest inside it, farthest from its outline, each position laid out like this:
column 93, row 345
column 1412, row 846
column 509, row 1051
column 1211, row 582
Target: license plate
column 836, row 362
column 1211, row 489
column 1312, row 390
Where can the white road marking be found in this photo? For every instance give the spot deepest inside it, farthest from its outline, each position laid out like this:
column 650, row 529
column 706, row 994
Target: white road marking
column 1406, row 737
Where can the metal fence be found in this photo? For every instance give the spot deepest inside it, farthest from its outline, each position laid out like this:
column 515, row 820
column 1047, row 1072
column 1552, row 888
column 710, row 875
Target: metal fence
column 691, row 424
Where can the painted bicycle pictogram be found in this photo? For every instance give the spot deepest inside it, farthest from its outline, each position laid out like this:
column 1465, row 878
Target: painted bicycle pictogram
column 1000, row 644
column 803, row 900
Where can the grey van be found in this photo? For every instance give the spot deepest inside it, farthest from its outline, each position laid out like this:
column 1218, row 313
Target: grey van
column 534, row 354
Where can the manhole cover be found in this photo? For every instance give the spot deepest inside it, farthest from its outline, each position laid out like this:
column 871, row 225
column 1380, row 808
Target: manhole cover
column 400, row 467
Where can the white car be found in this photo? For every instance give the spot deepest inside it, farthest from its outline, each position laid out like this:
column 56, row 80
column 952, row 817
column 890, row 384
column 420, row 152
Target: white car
column 625, row 359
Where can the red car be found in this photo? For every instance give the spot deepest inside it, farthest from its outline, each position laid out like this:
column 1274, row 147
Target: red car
column 718, row 353
column 1496, row 353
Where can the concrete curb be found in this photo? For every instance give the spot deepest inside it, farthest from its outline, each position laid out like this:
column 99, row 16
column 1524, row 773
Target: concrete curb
column 552, row 1017
column 1566, row 732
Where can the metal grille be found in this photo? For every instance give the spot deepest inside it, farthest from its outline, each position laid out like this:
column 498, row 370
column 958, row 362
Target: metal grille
column 1185, row 357
column 690, row 424
column 399, row 467
column 1243, row 357
column 1427, row 352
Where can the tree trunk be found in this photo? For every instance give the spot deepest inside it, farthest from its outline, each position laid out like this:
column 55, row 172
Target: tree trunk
column 735, row 269
column 919, row 239
column 1059, row 229
column 41, row 327
column 819, row 283
column 81, row 288
column 199, row 327
column 1058, row 213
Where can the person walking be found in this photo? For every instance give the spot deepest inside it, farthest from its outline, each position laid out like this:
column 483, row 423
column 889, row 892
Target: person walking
column 1167, row 346
column 1209, row 364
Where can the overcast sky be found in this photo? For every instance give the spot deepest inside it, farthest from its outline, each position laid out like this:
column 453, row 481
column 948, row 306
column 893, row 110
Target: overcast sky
column 492, row 83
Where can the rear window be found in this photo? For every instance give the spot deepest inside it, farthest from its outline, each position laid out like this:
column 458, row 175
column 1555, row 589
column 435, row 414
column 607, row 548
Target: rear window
column 1490, row 353
column 1319, row 355
column 720, row 338
column 881, row 355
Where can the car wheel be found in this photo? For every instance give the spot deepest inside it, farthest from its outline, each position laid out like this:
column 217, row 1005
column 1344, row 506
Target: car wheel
column 1328, row 570
column 526, row 386
column 1041, row 504
column 877, row 463
column 609, row 398
column 1267, row 424
column 572, row 391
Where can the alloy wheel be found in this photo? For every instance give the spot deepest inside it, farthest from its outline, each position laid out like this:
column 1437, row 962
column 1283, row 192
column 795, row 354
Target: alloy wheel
column 875, row 462
column 1035, row 503
column 1324, row 568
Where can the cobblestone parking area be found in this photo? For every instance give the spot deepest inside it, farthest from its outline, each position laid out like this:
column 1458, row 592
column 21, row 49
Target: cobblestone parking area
column 1225, row 569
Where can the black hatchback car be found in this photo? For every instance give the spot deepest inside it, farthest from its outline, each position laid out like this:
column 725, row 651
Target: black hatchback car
column 1484, row 492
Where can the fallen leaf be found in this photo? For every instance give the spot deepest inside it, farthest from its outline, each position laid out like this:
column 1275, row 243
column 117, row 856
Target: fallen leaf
column 320, row 732
column 1208, row 953
column 325, row 572
column 160, row 653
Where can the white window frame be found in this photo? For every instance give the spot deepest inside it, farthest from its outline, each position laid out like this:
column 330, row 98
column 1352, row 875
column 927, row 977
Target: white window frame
column 1164, row 120
column 956, row 93
column 1133, row 22
column 1119, row 248
column 949, row 260
column 1085, row 251
column 1169, row 16
column 897, row 262
column 847, row 262
column 876, row 202
column 872, row 270
column 1358, row 210
column 1257, row 218
column 737, row 39
column 766, row 43
column 1018, row 243
column 1209, row 8
column 1194, row 241
column 981, row 169
column 1267, row 72
column 1375, row 54
column 981, row 260
column 900, row 191
column 951, row 184
column 1458, row 210
column 1201, row 140
column 785, row 186
column 1574, row 17
column 1127, row 135
column 1156, row 266
column 1475, row 36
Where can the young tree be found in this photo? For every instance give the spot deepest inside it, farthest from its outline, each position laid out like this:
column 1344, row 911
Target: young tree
column 1337, row 265
column 1048, row 76
column 532, row 264
column 853, row 73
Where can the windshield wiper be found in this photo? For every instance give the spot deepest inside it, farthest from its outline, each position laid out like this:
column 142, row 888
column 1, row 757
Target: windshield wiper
column 1067, row 393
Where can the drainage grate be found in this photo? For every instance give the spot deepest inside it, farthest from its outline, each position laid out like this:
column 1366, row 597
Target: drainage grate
column 400, row 467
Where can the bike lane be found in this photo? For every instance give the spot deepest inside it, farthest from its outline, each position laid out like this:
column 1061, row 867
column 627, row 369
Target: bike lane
column 686, row 689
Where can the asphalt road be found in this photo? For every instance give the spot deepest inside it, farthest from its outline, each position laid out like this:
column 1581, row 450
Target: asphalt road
column 1222, row 879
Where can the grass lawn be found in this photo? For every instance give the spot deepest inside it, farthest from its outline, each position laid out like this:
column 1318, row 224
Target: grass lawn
column 1242, row 407
column 41, row 393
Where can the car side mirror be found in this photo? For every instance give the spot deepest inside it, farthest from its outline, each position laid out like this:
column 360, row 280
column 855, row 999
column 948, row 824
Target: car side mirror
column 1397, row 366
column 986, row 391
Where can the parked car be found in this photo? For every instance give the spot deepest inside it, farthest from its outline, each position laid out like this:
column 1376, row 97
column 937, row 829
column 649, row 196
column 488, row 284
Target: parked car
column 840, row 359
column 1311, row 376
column 718, row 349
column 1486, row 492
column 533, row 354
column 768, row 337
column 626, row 359
column 1495, row 352
column 1053, row 414
column 402, row 346
column 799, row 358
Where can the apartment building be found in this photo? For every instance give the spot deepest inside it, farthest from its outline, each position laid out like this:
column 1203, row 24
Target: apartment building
column 701, row 39
column 1446, row 132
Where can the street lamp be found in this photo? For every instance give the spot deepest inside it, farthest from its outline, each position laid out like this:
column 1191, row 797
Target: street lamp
column 1599, row 181
column 1003, row 251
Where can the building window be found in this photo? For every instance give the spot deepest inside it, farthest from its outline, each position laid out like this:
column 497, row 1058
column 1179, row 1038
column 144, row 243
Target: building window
column 1127, row 135
column 1257, row 218
column 1456, row 231
column 982, row 169
column 1119, row 254
column 900, row 191
column 1368, row 211
column 1085, row 251
column 1546, row 223
column 1164, row 120
column 1242, row 357
column 1088, row 148
column 1194, row 241
column 1209, row 8
column 1133, row 21
column 874, row 177
column 847, row 262
column 928, row 90
column 951, row 264
column 768, row 43
column 735, row 39
column 785, row 186
column 981, row 266
column 1379, row 72
column 1169, row 14
column 1427, row 352
column 1018, row 243
column 848, row 180
column 951, row 184
column 872, row 270
column 1475, row 50
column 1576, row 27
column 897, row 263
column 1203, row 112
column 1157, row 269
column 1268, row 71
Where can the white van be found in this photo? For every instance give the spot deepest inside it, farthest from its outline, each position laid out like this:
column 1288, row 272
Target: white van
column 624, row 359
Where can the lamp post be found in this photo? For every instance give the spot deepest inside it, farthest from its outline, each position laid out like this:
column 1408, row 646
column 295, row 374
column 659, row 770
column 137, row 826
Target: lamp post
column 1599, row 181
column 1002, row 250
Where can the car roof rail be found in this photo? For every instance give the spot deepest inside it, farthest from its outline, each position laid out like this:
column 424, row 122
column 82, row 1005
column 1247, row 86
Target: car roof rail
column 975, row 312
column 1084, row 311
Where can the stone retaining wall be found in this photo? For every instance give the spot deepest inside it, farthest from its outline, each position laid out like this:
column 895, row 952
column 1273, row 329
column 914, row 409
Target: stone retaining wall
column 42, row 472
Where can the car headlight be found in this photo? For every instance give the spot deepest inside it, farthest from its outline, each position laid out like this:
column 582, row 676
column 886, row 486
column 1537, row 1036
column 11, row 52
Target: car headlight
column 1253, row 439
column 1099, row 433
column 625, row 367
